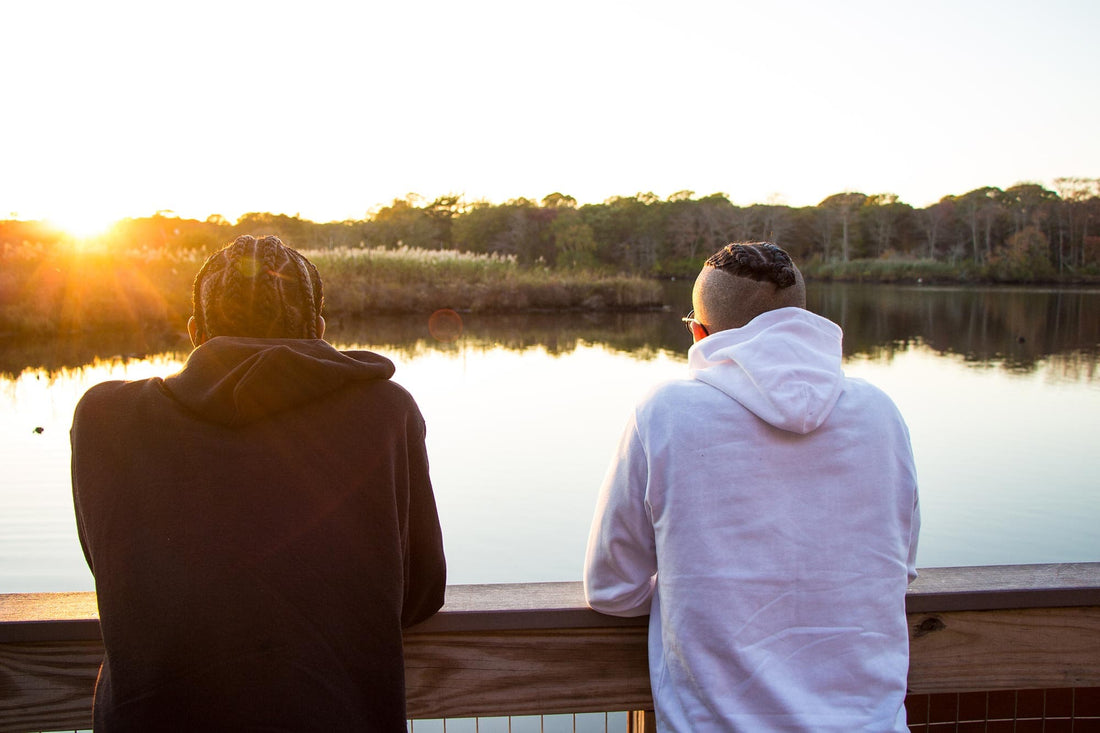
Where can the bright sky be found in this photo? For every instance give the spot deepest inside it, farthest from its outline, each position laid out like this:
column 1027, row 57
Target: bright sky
column 329, row 109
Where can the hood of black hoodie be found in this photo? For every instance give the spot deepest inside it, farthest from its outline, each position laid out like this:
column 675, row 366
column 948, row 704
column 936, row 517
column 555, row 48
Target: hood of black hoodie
column 236, row 381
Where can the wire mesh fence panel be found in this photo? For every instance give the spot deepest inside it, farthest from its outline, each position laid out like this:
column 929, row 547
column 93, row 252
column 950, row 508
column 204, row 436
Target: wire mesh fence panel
column 573, row 723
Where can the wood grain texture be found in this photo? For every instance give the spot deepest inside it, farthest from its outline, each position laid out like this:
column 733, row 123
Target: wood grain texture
column 526, row 673
column 48, row 617
column 47, row 685
column 1005, row 586
column 1006, row 649
column 535, row 648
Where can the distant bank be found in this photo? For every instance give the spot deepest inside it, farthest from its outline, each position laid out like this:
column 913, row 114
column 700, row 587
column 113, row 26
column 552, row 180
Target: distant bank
column 56, row 292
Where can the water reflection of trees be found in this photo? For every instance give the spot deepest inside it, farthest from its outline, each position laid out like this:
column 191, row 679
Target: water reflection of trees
column 1015, row 329
column 56, row 353
column 643, row 335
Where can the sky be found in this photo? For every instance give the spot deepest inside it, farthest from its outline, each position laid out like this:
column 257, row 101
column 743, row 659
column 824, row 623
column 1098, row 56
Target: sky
column 329, row 110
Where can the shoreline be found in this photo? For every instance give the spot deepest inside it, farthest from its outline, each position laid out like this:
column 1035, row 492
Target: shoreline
column 161, row 325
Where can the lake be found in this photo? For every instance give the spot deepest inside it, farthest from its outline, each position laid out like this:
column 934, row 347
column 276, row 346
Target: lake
column 1000, row 388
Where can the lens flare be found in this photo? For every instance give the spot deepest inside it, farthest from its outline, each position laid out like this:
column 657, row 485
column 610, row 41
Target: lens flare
column 250, row 267
column 445, row 325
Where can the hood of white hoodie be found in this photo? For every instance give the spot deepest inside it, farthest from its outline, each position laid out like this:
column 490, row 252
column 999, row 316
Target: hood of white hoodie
column 784, row 366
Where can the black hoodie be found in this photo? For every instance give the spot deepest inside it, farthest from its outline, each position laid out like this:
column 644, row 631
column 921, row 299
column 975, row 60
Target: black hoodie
column 261, row 526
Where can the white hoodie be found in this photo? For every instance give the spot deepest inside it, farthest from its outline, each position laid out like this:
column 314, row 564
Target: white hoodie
column 764, row 513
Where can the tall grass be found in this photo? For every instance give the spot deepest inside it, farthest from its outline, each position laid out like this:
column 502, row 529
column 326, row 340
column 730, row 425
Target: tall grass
column 64, row 290
column 414, row 280
column 889, row 271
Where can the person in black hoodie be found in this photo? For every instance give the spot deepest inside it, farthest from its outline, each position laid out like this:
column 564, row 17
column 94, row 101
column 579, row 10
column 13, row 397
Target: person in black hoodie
column 261, row 526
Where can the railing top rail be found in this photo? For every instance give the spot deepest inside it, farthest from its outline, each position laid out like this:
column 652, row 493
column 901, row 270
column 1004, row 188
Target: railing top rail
column 990, row 587
column 74, row 616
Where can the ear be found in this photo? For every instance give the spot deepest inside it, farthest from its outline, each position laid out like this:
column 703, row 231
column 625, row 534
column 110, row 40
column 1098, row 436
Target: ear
column 193, row 331
column 320, row 327
column 698, row 333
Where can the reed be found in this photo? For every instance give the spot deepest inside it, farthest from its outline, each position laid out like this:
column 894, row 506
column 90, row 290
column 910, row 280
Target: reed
column 60, row 290
column 889, row 271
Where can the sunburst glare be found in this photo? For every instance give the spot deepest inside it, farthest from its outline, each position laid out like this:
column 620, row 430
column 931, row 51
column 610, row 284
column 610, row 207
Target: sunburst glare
column 83, row 225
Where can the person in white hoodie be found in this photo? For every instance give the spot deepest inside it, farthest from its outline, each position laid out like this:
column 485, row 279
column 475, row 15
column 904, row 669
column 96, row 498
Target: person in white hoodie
column 763, row 511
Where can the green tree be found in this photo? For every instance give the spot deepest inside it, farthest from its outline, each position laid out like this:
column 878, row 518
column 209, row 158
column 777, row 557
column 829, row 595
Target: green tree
column 980, row 210
column 1078, row 216
column 932, row 222
column 478, row 226
column 402, row 223
column 1024, row 257
column 574, row 241
column 844, row 208
column 886, row 218
column 772, row 223
column 293, row 230
column 442, row 213
column 629, row 231
column 558, row 201
column 688, row 230
column 1029, row 204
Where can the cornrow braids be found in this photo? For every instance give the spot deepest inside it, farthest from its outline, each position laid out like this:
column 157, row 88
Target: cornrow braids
column 761, row 261
column 257, row 288
column 311, row 292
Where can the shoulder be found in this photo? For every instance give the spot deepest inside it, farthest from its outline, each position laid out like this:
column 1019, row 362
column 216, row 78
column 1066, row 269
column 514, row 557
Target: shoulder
column 385, row 400
column 674, row 397
column 110, row 408
column 869, row 404
column 114, row 394
column 669, row 391
column 385, row 390
column 856, row 389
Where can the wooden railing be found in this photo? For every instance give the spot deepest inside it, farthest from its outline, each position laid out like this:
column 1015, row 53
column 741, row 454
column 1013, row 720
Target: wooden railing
column 536, row 649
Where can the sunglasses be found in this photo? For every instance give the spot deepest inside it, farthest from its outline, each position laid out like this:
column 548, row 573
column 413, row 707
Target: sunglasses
column 689, row 321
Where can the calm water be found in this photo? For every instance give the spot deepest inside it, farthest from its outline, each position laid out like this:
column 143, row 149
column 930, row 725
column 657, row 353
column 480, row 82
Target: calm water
column 1001, row 390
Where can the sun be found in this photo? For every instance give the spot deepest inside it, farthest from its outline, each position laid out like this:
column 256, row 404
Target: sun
column 83, row 224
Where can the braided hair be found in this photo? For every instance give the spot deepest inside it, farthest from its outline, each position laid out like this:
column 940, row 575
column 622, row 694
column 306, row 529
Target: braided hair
column 761, row 261
column 258, row 288
column 743, row 280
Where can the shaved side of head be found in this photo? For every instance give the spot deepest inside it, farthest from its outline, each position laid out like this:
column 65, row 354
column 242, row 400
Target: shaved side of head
column 741, row 281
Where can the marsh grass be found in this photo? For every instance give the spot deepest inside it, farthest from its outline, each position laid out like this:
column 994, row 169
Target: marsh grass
column 359, row 281
column 889, row 271
column 73, row 291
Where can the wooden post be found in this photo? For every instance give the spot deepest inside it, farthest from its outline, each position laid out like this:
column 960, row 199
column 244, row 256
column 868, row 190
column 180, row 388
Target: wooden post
column 641, row 721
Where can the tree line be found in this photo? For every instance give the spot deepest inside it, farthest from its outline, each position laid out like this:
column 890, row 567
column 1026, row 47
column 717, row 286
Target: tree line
column 1024, row 232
